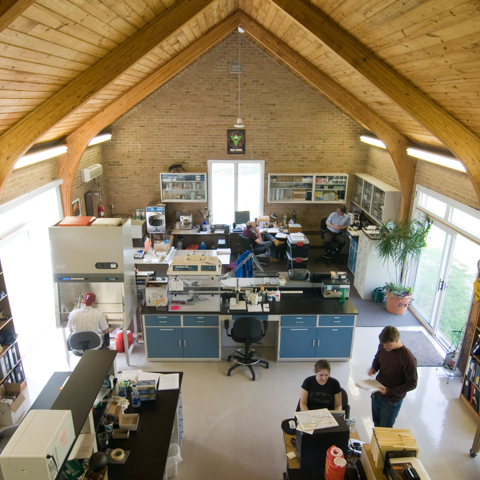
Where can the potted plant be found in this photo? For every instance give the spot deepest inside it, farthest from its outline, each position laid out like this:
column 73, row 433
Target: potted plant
column 400, row 244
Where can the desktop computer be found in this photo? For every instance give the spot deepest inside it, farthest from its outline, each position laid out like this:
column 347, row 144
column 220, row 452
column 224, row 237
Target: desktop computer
column 312, row 449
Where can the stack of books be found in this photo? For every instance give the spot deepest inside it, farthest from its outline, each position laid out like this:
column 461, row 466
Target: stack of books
column 391, row 440
column 472, row 384
column 299, row 194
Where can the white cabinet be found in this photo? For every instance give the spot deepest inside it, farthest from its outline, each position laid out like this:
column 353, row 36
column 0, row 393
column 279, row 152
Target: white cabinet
column 183, row 187
column 370, row 271
column 376, row 198
column 307, row 188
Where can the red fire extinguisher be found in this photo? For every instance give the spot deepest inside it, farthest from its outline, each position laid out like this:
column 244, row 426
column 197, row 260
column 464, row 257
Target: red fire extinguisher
column 101, row 211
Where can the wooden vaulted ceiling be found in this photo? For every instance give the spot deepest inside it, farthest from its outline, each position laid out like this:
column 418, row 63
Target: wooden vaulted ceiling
column 407, row 71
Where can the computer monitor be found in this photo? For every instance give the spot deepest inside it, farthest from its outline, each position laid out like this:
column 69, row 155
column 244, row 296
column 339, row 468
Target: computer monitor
column 242, row 217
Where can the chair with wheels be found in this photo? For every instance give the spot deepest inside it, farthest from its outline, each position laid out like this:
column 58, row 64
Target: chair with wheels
column 333, row 250
column 248, row 245
column 79, row 342
column 246, row 330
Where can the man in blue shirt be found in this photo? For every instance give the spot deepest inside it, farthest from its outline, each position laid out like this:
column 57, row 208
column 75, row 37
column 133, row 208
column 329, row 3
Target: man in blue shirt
column 337, row 222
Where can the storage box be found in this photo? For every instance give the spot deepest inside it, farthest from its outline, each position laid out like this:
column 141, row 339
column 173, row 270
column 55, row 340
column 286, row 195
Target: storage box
column 334, row 288
column 139, row 228
column 296, row 262
column 294, row 228
column 120, row 434
column 298, row 248
column 129, row 421
column 11, row 414
column 146, row 390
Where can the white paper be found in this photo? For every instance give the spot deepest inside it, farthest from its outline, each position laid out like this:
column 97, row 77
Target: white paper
column 369, row 384
column 255, row 308
column 311, row 420
column 149, row 376
column 169, row 381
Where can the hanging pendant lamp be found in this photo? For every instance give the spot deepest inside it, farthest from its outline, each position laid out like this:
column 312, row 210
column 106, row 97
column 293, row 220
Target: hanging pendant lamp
column 239, row 123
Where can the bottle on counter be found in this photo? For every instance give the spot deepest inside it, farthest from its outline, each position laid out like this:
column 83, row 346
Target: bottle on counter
column 135, row 397
column 262, row 294
column 277, row 295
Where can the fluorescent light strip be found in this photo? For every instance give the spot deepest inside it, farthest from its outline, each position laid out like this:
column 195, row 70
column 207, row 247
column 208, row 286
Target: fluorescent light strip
column 40, row 156
column 99, row 139
column 372, row 141
column 437, row 159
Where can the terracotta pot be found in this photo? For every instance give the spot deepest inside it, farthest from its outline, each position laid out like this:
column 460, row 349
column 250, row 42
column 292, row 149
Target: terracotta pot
column 398, row 305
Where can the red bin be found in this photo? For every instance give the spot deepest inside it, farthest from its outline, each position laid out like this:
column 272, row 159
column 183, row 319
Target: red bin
column 119, row 340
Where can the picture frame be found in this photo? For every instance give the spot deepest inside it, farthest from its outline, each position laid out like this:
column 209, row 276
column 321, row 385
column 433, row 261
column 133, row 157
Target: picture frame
column 76, row 209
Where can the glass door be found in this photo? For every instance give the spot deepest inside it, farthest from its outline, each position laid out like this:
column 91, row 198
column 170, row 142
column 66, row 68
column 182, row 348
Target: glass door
column 443, row 283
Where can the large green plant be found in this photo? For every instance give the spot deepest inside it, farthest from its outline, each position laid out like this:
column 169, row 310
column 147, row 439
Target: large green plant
column 399, row 245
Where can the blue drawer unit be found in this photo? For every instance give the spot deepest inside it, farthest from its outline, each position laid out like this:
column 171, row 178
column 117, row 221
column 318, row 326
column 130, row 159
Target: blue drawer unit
column 352, row 255
column 164, row 342
column 336, row 320
column 201, row 342
column 200, row 320
column 298, row 320
column 163, row 320
column 297, row 342
column 334, row 342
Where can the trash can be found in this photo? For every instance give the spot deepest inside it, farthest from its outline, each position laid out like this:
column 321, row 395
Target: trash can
column 173, row 460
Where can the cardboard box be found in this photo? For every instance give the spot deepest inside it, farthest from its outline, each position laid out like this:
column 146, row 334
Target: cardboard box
column 11, row 414
column 139, row 228
column 294, row 228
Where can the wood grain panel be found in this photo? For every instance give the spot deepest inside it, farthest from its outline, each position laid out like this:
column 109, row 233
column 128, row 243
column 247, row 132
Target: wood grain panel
column 11, row 9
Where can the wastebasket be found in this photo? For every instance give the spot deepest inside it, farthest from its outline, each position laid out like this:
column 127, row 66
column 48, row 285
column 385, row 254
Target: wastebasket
column 173, row 460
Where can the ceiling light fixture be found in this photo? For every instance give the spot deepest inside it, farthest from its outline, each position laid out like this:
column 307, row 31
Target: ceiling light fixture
column 372, row 141
column 99, row 139
column 442, row 160
column 40, row 156
column 239, row 123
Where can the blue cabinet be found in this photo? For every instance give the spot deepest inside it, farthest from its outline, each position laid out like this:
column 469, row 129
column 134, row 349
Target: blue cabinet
column 297, row 342
column 334, row 342
column 194, row 336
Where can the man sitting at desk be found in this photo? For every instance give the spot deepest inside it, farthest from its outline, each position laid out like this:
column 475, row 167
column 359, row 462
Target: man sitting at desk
column 337, row 222
column 87, row 318
column 258, row 238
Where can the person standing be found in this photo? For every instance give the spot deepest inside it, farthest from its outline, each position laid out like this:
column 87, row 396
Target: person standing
column 397, row 372
column 337, row 222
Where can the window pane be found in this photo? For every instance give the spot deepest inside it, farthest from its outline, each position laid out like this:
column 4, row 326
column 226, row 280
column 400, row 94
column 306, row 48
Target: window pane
column 468, row 222
column 432, row 204
column 222, row 193
column 250, row 188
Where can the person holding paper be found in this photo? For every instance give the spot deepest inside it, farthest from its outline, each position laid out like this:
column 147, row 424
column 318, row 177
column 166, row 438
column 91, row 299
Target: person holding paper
column 320, row 390
column 397, row 372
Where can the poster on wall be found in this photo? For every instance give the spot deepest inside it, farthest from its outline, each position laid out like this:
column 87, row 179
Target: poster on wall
column 235, row 141
column 76, row 212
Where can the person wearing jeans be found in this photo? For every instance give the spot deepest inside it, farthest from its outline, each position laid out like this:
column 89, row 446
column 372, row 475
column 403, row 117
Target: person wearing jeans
column 261, row 238
column 397, row 372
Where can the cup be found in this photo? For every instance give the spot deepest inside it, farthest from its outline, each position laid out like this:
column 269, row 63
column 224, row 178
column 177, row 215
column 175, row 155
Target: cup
column 103, row 438
column 270, row 296
column 108, row 428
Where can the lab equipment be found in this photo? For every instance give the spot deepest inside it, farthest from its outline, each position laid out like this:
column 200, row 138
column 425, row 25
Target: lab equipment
column 186, row 222
column 155, row 218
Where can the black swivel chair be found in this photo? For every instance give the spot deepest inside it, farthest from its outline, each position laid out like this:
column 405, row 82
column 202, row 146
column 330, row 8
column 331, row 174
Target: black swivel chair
column 333, row 249
column 78, row 342
column 246, row 330
column 345, row 405
column 248, row 245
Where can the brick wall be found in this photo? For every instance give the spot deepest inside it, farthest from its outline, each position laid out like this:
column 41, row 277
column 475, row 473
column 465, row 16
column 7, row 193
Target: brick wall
column 288, row 125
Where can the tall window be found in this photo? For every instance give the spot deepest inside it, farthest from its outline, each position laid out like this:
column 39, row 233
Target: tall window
column 235, row 186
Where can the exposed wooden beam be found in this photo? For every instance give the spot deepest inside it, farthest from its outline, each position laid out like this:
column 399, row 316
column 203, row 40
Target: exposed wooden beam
column 464, row 144
column 349, row 104
column 18, row 139
column 77, row 141
column 10, row 10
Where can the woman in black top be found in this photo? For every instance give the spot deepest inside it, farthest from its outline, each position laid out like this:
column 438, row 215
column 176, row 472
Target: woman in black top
column 321, row 390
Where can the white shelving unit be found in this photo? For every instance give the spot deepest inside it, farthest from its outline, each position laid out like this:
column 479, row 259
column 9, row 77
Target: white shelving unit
column 307, row 188
column 183, row 187
column 376, row 198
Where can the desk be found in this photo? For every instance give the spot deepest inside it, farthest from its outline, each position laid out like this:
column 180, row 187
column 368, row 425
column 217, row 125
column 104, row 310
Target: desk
column 196, row 237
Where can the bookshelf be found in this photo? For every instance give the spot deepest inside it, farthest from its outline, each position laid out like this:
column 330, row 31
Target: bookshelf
column 470, row 394
column 11, row 365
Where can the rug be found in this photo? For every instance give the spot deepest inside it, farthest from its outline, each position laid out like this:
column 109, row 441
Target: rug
column 421, row 346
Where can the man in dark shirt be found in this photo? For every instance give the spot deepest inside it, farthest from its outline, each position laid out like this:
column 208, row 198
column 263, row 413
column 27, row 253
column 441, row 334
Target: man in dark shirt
column 257, row 239
column 397, row 372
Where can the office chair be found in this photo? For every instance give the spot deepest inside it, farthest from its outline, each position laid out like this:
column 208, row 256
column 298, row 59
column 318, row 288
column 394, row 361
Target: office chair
column 246, row 330
column 79, row 342
column 345, row 405
column 248, row 245
column 333, row 249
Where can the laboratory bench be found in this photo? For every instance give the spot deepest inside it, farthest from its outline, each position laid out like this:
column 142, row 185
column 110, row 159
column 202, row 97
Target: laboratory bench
column 302, row 326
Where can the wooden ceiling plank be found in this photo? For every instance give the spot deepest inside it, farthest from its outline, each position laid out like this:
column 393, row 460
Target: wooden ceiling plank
column 345, row 101
column 60, row 23
column 188, row 32
column 21, row 66
column 19, row 138
column 462, row 142
column 209, row 17
column 78, row 140
column 202, row 23
column 11, row 9
column 138, row 17
column 271, row 14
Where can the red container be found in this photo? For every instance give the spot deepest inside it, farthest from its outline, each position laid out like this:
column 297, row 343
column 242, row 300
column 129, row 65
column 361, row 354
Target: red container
column 335, row 464
column 119, row 340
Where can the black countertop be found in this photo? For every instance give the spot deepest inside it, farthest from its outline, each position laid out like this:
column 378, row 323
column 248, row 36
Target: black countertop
column 310, row 302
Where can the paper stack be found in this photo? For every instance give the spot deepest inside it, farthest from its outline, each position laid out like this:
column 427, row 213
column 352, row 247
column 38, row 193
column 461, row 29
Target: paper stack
column 391, row 440
column 315, row 419
column 370, row 385
column 169, row 381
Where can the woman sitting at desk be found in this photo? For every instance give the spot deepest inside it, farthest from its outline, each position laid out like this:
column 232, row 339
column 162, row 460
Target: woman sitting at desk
column 320, row 390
